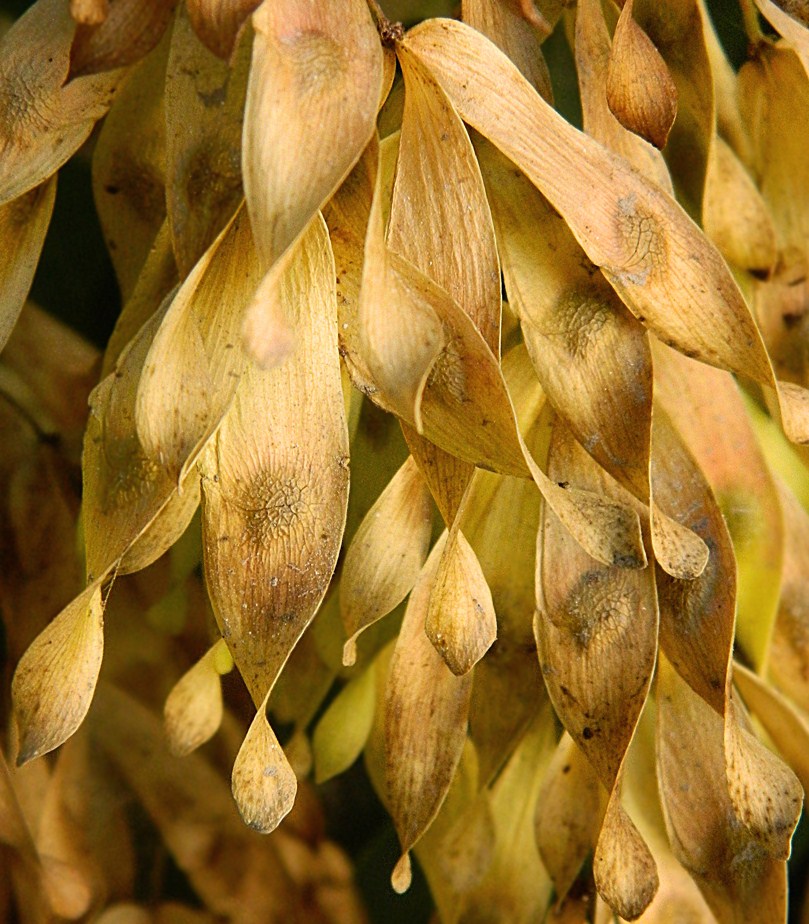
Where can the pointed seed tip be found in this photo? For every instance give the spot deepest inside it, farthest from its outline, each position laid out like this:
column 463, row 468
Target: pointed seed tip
column 402, row 875
column 350, row 652
column 25, row 755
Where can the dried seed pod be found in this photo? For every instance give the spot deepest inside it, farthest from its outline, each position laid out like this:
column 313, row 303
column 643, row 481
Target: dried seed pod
column 129, row 31
column 386, row 554
column 204, row 103
column 640, row 91
column 275, row 489
column 593, row 48
column 44, row 121
column 193, row 709
column 735, row 217
column 218, row 24
column 198, row 347
column 649, row 250
column 421, row 758
column 54, row 682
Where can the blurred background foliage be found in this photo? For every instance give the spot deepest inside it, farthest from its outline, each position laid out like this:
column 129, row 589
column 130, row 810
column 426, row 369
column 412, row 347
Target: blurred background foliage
column 76, row 283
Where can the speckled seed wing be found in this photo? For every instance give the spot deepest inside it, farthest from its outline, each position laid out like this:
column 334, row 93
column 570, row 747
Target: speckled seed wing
column 43, row 121
column 204, row 104
column 658, row 261
column 193, row 367
column 275, row 481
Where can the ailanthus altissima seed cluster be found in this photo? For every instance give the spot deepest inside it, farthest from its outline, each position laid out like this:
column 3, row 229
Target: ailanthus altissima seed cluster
column 475, row 442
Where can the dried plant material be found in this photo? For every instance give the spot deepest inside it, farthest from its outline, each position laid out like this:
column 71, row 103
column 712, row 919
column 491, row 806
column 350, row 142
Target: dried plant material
column 791, row 19
column 466, row 411
column 55, row 680
column 468, row 846
column 89, row 12
column 125, row 492
column 158, row 277
column 193, row 709
column 677, row 30
column 68, row 893
column 568, row 815
column 129, row 913
column 15, row 832
column 516, row 885
column 386, row 554
column 774, row 95
column 501, row 515
column 218, row 24
column 506, row 695
column 520, row 404
column 591, row 356
column 696, row 615
column 421, row 225
column 734, row 214
column 44, row 122
column 624, row 869
column 131, row 29
column 204, row 99
column 641, row 798
column 302, row 686
column 191, row 805
column 164, row 529
column 766, row 795
column 311, row 107
column 461, row 621
column 736, row 877
column 586, row 614
column 389, row 313
column 446, row 475
column 433, row 144
column 438, row 849
column 500, row 520
column 342, row 731
column 515, row 37
column 640, row 91
column 420, row 761
column 709, row 412
column 645, row 244
column 347, row 214
column 264, row 784
column 785, row 724
column 789, row 653
column 23, row 225
column 195, row 363
column 379, row 448
column 679, row 551
column 58, row 365
column 275, row 490
column 728, row 122
column 593, row 46
column 267, row 330
column 63, row 841
column 129, row 172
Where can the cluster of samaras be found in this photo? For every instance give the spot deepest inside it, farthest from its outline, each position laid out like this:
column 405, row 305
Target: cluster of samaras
column 312, row 253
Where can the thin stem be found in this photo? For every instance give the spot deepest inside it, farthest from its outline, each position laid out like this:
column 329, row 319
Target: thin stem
column 389, row 32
